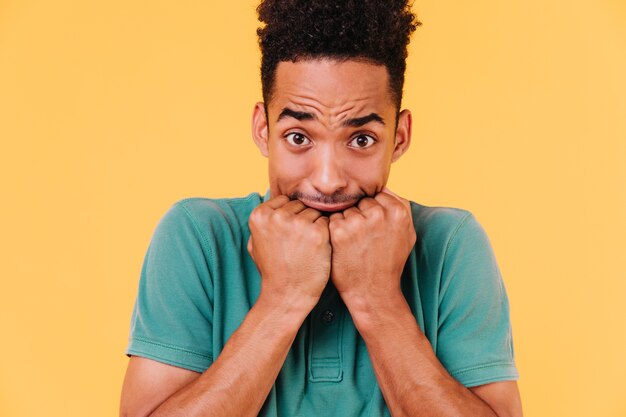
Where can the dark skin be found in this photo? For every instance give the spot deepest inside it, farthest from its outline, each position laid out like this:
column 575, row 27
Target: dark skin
column 330, row 142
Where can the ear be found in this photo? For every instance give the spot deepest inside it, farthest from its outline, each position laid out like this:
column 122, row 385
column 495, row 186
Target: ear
column 260, row 130
column 403, row 135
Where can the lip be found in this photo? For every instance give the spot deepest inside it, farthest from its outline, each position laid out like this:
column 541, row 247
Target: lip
column 330, row 208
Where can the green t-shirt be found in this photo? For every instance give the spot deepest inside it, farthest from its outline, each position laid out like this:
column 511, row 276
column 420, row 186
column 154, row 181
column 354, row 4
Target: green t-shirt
column 198, row 282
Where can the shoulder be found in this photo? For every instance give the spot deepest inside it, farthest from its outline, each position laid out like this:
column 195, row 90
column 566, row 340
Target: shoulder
column 440, row 223
column 205, row 222
column 450, row 232
column 212, row 212
column 201, row 207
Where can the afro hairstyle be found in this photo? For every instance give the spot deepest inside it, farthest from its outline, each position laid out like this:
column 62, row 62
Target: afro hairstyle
column 375, row 31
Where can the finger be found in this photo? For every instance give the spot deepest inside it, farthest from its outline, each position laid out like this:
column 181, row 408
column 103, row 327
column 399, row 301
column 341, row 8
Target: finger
column 336, row 216
column 388, row 191
column 310, row 214
column 387, row 198
column 403, row 200
column 323, row 219
column 367, row 203
column 352, row 211
column 294, row 207
column 277, row 202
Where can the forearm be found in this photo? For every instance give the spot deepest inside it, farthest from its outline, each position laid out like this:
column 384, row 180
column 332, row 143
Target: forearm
column 411, row 378
column 238, row 382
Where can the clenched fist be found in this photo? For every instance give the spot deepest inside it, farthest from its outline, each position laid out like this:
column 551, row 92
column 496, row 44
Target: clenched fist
column 290, row 245
column 371, row 242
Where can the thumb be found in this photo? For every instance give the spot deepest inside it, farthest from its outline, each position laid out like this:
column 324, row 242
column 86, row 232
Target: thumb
column 404, row 201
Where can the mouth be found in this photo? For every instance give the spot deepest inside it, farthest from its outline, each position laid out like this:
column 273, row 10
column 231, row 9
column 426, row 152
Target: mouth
column 328, row 208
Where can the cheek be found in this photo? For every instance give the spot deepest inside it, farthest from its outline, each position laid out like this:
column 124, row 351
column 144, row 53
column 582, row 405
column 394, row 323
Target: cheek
column 285, row 168
column 370, row 173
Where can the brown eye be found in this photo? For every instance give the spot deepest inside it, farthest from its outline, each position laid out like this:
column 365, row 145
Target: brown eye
column 362, row 141
column 297, row 139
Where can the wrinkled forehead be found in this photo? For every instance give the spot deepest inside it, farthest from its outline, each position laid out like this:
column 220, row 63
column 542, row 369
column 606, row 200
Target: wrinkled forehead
column 331, row 89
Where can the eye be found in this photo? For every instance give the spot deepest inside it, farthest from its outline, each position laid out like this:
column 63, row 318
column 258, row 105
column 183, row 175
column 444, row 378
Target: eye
column 362, row 141
column 297, row 139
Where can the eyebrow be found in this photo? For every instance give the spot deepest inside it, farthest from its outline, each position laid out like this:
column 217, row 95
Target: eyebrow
column 298, row 115
column 361, row 121
column 354, row 122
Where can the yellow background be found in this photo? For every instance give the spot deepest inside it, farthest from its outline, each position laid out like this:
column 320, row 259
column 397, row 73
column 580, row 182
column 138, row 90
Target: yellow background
column 111, row 111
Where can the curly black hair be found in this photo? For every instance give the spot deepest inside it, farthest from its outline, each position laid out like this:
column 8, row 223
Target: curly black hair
column 376, row 31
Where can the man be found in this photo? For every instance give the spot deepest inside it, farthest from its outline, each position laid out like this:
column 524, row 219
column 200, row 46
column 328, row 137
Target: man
column 330, row 295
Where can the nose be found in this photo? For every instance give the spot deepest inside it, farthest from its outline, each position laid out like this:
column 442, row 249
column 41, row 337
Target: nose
column 327, row 173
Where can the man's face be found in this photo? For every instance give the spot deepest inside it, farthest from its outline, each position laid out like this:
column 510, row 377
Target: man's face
column 330, row 134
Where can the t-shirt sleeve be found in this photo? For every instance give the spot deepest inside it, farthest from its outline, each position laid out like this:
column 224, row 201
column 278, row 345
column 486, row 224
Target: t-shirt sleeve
column 173, row 313
column 474, row 340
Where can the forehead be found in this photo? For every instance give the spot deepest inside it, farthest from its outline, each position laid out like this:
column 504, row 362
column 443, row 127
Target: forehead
column 332, row 87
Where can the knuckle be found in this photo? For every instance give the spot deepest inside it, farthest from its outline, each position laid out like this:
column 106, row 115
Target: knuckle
column 257, row 214
column 399, row 212
column 377, row 212
column 339, row 237
column 281, row 215
column 338, row 231
column 300, row 222
column 320, row 237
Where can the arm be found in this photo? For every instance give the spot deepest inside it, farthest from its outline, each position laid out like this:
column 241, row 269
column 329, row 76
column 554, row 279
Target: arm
column 414, row 383
column 236, row 384
column 412, row 379
column 290, row 246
